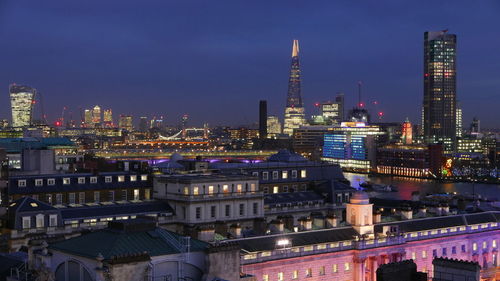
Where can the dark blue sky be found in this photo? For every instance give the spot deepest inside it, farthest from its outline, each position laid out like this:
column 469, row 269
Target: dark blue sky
column 215, row 59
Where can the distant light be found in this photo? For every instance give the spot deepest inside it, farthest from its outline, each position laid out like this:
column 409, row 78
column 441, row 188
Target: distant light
column 361, row 104
column 380, row 113
column 316, row 104
column 426, row 75
column 375, row 102
column 283, row 242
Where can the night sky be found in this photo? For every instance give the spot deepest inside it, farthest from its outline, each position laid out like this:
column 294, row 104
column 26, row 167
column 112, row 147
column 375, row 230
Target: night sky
column 214, row 59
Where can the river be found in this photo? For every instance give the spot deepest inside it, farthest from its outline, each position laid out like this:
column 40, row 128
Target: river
column 407, row 185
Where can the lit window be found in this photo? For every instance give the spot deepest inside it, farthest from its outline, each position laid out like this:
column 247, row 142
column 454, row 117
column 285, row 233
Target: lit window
column 494, row 244
column 144, row 177
column 40, row 221
column 93, row 179
column 322, row 270
column 265, row 277
column 280, row 276
column 108, row 179
column 81, row 180
column 133, row 178
column 309, row 272
column 51, row 181
column 413, row 256
column 335, row 268
column 186, row 190
column 21, row 183
column 38, row 182
column 284, row 174
column 210, row 189
column 275, row 189
column 225, row 188
column 347, row 266
column 252, row 187
column 196, row 190
column 474, row 246
column 295, row 274
column 147, row 194
column 239, row 188
column 121, row 178
column 66, row 181
column 485, row 244
column 136, row 194
column 303, row 173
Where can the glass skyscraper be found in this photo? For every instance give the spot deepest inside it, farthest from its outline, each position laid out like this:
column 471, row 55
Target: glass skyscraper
column 22, row 100
column 439, row 107
column 294, row 110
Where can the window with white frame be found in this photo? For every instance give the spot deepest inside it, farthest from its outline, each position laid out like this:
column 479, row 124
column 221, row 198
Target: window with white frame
column 255, row 174
column 72, row 198
column 51, row 181
column 121, row 178
column 59, row 199
column 108, row 179
column 53, row 220
column 265, row 176
column 97, row 196
column 294, row 174
column 21, row 183
column 81, row 198
column 93, row 179
column 26, row 222
column 275, row 175
column 303, row 173
column 136, row 194
column 38, row 182
column 81, row 180
column 284, row 174
column 40, row 221
column 147, row 194
column 66, row 181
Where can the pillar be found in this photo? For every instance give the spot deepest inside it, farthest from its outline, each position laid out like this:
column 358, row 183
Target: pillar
column 359, row 269
column 373, row 268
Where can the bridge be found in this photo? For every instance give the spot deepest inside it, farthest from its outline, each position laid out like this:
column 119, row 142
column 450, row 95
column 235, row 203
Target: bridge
column 183, row 134
column 146, row 154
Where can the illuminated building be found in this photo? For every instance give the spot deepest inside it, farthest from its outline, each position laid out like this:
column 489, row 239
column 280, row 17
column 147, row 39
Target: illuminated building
column 294, row 110
column 470, row 145
column 459, row 121
column 407, row 132
column 355, row 250
column 273, row 126
column 352, row 146
column 96, row 115
column 88, row 122
column 412, row 160
column 308, row 140
column 108, row 118
column 125, row 123
column 22, row 100
column 333, row 112
column 439, row 106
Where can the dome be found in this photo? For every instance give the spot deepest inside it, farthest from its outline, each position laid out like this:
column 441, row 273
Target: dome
column 360, row 195
column 176, row 157
column 286, row 156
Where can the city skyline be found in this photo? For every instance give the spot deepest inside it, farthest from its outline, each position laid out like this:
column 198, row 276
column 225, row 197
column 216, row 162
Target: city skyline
column 172, row 71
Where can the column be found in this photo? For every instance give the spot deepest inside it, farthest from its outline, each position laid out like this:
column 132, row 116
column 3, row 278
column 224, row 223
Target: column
column 359, row 269
column 374, row 266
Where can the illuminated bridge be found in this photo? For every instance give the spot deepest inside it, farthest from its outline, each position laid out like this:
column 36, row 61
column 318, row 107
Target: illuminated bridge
column 145, row 154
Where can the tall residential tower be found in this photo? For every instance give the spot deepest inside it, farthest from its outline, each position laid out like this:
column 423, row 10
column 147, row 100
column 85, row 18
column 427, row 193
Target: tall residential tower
column 439, row 108
column 294, row 110
column 22, row 100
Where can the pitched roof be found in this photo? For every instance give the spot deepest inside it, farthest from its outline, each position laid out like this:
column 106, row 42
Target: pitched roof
column 112, row 243
column 28, row 204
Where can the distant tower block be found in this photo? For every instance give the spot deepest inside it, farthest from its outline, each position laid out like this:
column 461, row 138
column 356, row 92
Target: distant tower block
column 294, row 110
column 407, row 132
column 263, row 119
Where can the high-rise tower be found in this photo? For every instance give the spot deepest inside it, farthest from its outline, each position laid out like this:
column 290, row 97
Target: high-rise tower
column 22, row 99
column 294, row 110
column 439, row 108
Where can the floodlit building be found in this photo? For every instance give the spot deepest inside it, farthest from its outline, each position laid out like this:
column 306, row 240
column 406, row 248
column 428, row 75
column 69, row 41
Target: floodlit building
column 22, row 100
column 407, row 132
column 273, row 127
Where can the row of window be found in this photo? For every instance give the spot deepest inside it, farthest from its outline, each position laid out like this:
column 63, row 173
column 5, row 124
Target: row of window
column 276, row 189
column 284, row 174
column 308, row 272
column 81, row 180
column 235, row 188
column 39, row 221
column 227, row 210
column 83, row 198
column 444, row 251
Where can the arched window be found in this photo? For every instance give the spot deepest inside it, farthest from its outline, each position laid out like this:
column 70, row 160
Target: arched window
column 72, row 271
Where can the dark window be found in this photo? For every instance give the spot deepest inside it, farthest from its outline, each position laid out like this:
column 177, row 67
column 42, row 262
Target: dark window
column 242, row 209
column 255, row 208
column 454, row 250
column 228, row 210
column 198, row 213
column 463, row 248
column 444, row 251
column 434, row 253
column 212, row 211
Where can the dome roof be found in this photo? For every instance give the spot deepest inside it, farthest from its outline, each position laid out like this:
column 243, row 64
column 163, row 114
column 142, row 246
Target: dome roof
column 286, row 156
column 360, row 195
column 175, row 157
